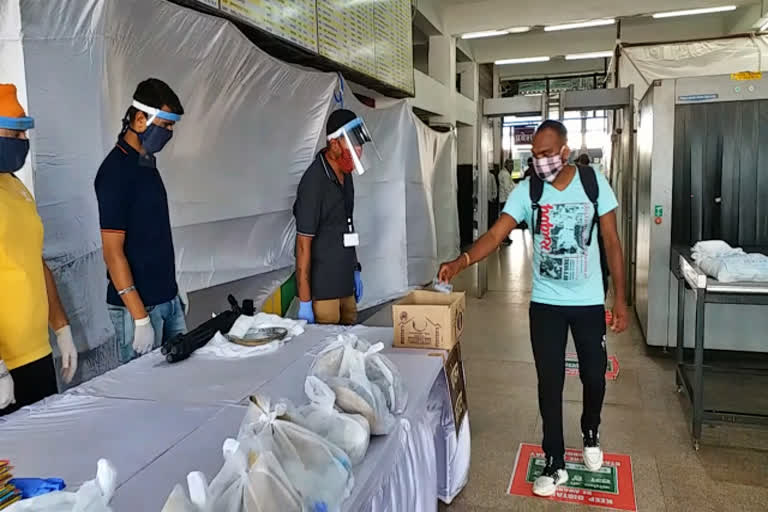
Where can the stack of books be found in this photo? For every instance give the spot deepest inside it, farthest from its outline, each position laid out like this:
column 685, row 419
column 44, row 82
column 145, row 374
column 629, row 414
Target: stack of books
column 8, row 493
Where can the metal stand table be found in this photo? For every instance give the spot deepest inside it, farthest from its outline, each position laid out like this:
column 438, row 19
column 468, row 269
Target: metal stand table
column 709, row 291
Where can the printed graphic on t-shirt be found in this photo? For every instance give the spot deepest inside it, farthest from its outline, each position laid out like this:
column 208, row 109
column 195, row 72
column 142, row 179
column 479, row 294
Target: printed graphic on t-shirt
column 563, row 246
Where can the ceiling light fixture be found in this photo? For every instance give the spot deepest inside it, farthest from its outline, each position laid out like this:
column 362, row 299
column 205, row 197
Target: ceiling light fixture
column 691, row 12
column 523, row 60
column 593, row 55
column 582, row 24
column 495, row 33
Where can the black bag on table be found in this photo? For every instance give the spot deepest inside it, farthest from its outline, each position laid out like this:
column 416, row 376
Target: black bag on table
column 181, row 346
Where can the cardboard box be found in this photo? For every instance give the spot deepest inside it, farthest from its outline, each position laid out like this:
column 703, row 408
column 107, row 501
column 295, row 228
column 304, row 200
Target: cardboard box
column 429, row 320
column 457, row 386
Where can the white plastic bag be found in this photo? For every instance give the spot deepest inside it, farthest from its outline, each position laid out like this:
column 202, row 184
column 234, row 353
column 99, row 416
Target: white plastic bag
column 350, row 432
column 361, row 377
column 199, row 500
column 384, row 374
column 342, row 366
column 93, row 495
column 319, row 470
column 738, row 267
column 713, row 249
column 245, row 483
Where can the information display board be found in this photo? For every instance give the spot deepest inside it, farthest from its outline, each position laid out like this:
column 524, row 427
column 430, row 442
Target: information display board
column 372, row 37
column 292, row 20
column 345, row 33
column 394, row 43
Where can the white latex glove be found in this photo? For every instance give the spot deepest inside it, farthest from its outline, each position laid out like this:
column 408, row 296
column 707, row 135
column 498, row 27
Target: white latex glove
column 184, row 298
column 6, row 387
column 143, row 336
column 68, row 353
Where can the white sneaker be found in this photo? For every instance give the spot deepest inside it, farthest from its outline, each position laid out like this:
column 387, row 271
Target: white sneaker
column 546, row 485
column 593, row 454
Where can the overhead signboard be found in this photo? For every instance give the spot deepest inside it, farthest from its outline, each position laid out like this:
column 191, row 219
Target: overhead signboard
column 524, row 135
column 292, row 20
column 394, row 43
column 345, row 33
column 372, row 37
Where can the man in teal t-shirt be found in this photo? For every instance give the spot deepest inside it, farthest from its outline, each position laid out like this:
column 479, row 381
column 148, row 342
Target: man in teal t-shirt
column 568, row 288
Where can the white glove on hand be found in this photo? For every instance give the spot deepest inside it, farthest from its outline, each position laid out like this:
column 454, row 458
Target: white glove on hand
column 143, row 336
column 184, row 298
column 68, row 353
column 6, row 387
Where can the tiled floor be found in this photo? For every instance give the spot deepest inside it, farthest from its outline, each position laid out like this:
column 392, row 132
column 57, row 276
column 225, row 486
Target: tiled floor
column 643, row 416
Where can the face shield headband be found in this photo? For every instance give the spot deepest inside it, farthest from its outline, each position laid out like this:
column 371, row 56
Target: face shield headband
column 153, row 113
column 356, row 134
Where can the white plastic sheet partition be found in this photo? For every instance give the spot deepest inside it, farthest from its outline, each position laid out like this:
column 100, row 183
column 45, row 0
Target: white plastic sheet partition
column 379, row 195
column 640, row 65
column 433, row 225
column 12, row 67
column 252, row 127
column 444, row 193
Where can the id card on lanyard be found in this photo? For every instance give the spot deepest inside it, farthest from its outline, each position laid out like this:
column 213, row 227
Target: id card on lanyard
column 351, row 238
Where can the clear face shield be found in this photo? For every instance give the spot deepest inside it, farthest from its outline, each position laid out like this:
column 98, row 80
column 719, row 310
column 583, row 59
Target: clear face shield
column 360, row 147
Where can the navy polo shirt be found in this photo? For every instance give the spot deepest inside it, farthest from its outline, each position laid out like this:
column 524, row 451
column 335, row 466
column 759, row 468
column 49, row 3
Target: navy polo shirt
column 132, row 200
column 321, row 213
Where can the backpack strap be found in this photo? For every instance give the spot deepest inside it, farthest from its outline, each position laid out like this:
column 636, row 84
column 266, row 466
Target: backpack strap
column 589, row 183
column 535, row 191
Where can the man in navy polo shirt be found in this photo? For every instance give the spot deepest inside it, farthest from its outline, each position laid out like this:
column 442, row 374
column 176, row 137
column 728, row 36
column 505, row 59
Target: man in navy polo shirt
column 142, row 295
column 328, row 273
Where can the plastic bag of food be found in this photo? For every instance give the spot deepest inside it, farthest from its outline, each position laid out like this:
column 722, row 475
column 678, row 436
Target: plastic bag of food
column 350, row 432
column 198, row 500
column 384, row 374
column 336, row 361
column 247, row 482
column 342, row 366
column 93, row 495
column 320, row 471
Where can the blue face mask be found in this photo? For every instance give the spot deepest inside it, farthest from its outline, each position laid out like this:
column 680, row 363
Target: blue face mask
column 13, row 154
column 154, row 138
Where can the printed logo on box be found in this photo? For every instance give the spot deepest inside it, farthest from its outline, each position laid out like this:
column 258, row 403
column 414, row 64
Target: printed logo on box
column 414, row 335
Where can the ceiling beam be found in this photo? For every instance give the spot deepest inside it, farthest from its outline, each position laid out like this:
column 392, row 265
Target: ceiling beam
column 552, row 44
column 460, row 18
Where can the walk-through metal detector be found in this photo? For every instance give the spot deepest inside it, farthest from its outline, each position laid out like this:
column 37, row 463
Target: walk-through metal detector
column 618, row 100
column 498, row 108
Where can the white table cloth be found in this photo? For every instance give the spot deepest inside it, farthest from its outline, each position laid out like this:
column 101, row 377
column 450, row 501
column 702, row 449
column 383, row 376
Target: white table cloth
column 158, row 422
column 65, row 435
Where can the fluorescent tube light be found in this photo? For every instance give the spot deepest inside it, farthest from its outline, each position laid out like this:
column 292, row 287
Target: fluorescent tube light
column 485, row 33
column 691, row 12
column 523, row 60
column 495, row 33
column 583, row 24
column 593, row 55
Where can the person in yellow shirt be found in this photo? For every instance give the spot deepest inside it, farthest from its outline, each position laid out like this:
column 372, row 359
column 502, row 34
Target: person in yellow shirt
column 29, row 301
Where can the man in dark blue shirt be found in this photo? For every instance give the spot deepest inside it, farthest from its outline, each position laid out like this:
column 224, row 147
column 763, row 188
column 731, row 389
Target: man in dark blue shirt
column 142, row 295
